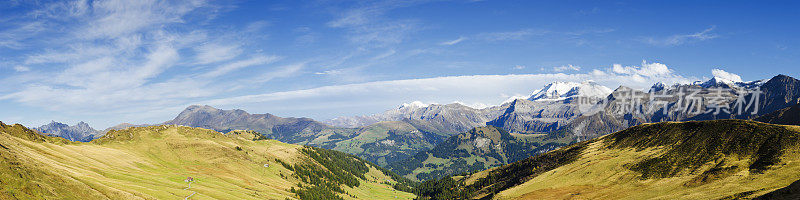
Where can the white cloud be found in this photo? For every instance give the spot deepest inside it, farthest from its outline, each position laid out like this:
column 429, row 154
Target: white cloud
column 20, row 68
column 281, row 72
column 386, row 54
column 480, row 90
column 453, row 42
column 329, row 72
column 511, row 98
column 213, row 52
column 110, row 58
column 563, row 68
column 116, row 18
column 726, row 75
column 519, row 67
column 647, row 69
column 367, row 25
column 675, row 40
column 510, row 35
column 15, row 38
column 254, row 61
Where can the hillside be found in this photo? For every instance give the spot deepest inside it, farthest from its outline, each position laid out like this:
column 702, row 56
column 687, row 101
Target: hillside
column 787, row 116
column 475, row 150
column 668, row 160
column 154, row 162
column 380, row 143
column 387, row 142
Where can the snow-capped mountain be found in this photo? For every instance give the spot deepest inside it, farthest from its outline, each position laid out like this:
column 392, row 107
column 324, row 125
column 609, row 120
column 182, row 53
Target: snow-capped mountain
column 413, row 105
column 544, row 110
column 563, row 90
column 726, row 83
column 657, row 87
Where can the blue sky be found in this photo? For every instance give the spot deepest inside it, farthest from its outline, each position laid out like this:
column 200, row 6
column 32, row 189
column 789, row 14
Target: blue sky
column 108, row 62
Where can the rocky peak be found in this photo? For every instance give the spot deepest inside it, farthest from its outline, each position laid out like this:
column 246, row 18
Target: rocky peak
column 657, row 87
column 718, row 82
column 79, row 132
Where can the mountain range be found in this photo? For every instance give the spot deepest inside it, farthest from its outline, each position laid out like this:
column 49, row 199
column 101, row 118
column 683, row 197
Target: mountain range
column 553, row 116
column 566, row 140
column 572, row 123
column 79, row 132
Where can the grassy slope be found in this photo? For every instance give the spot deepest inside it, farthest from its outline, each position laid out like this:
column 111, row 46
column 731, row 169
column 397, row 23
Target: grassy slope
column 460, row 153
column 385, row 142
column 152, row 162
column 692, row 160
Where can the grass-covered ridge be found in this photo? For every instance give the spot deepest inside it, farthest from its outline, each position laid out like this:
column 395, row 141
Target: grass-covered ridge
column 689, row 160
column 153, row 162
column 693, row 145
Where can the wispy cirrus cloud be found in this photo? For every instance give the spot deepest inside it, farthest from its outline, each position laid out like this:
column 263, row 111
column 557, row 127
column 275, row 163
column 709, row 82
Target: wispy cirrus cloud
column 227, row 68
column 216, row 52
column 510, row 35
column 367, row 25
column 112, row 56
column 453, row 42
column 680, row 39
column 563, row 68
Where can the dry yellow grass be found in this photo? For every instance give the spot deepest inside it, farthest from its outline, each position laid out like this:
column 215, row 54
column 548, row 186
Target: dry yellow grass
column 152, row 163
column 602, row 174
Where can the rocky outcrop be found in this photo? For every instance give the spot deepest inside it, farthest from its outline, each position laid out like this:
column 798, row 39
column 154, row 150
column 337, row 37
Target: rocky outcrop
column 290, row 130
column 81, row 132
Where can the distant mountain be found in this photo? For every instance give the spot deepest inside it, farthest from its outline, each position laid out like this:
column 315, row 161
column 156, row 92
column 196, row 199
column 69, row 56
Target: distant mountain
column 726, row 83
column 81, row 132
column 719, row 159
column 559, row 122
column 291, row 130
column 545, row 110
column 448, row 118
column 553, row 116
column 380, row 143
column 146, row 162
column 124, row 126
column 780, row 92
column 616, row 112
column 549, row 108
column 563, row 90
column 525, row 116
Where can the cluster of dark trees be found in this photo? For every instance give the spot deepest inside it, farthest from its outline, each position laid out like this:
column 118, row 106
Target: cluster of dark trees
column 335, row 168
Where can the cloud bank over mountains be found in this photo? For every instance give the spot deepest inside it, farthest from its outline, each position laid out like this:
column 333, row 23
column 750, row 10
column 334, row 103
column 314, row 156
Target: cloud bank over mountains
column 474, row 90
column 113, row 61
